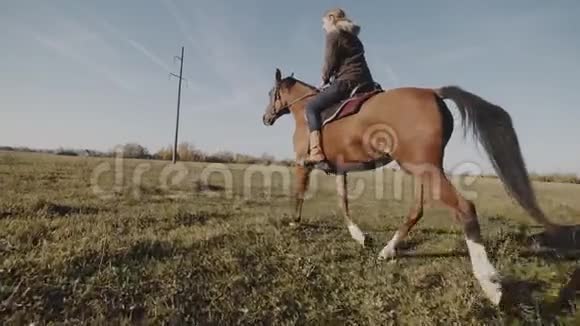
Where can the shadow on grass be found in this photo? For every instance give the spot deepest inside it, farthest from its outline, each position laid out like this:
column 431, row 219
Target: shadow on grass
column 66, row 210
column 50, row 209
column 519, row 302
column 200, row 186
column 322, row 227
column 567, row 238
column 411, row 244
column 552, row 255
column 388, row 229
column 565, row 248
column 186, row 218
column 6, row 214
column 54, row 293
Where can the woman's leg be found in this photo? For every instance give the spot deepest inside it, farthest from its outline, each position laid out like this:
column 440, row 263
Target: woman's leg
column 334, row 93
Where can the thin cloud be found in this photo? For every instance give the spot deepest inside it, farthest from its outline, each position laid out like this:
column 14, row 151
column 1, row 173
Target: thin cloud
column 184, row 27
column 218, row 46
column 65, row 49
column 137, row 46
column 216, row 42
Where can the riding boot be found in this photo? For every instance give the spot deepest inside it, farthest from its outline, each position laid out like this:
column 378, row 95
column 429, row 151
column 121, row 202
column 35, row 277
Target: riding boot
column 316, row 152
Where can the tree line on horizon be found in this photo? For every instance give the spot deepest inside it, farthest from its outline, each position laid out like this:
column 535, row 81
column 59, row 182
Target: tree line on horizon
column 186, row 152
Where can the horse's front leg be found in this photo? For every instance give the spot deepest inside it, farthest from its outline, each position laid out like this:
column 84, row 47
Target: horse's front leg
column 302, row 179
column 355, row 231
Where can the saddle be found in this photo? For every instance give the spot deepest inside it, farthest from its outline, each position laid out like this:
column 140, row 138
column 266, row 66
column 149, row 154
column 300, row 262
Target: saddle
column 348, row 107
column 351, row 105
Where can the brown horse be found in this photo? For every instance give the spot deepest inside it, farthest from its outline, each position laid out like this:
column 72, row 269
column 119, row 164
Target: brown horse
column 411, row 126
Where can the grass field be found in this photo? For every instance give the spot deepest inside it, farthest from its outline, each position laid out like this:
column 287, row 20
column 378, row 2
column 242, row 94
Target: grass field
column 99, row 241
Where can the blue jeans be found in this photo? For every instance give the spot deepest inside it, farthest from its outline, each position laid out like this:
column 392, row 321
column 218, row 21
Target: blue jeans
column 337, row 91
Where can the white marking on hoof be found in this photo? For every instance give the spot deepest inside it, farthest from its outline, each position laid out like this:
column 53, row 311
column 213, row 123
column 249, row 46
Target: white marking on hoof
column 389, row 251
column 492, row 289
column 356, row 234
column 484, row 272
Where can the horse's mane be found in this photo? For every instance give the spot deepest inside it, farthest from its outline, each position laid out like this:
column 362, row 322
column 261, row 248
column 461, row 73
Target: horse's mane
column 290, row 81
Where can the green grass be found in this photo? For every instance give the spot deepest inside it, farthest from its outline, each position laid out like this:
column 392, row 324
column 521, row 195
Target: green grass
column 152, row 245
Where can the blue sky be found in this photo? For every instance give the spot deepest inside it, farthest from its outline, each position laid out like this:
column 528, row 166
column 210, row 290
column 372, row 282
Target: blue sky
column 92, row 74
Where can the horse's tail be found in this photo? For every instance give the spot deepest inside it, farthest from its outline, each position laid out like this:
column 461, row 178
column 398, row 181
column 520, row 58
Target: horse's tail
column 492, row 126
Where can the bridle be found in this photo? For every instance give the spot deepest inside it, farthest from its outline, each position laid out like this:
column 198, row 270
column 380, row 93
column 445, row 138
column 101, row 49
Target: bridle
column 287, row 106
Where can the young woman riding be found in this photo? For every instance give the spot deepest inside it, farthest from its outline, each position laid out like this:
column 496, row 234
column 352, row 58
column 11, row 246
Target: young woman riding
column 345, row 63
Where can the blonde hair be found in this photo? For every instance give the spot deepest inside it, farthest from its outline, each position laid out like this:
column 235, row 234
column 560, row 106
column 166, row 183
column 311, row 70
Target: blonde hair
column 336, row 19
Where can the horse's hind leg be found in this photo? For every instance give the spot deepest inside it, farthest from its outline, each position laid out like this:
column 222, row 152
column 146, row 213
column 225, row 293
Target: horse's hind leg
column 341, row 187
column 465, row 211
column 414, row 216
column 302, row 178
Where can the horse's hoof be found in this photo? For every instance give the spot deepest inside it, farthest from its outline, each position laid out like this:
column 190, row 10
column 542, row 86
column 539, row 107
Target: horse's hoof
column 357, row 234
column 387, row 253
column 324, row 166
column 492, row 289
column 294, row 224
column 368, row 241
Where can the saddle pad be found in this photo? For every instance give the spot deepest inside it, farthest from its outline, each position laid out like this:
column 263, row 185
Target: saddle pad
column 347, row 107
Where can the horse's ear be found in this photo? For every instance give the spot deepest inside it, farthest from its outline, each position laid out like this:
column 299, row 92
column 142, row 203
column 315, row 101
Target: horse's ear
column 278, row 75
column 292, row 75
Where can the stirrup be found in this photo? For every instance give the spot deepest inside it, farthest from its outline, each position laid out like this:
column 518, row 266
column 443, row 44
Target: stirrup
column 323, row 165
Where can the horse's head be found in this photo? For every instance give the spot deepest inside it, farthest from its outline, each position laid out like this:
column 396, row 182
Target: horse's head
column 285, row 96
column 278, row 105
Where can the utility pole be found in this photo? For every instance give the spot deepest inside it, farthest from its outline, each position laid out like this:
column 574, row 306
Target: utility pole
column 178, row 104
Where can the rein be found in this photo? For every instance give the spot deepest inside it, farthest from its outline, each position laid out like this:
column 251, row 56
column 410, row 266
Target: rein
column 287, row 106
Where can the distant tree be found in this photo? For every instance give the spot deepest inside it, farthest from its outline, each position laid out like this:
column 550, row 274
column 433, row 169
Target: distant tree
column 66, row 152
column 246, row 159
column 133, row 150
column 267, row 159
column 287, row 162
column 164, row 154
column 188, row 152
column 185, row 152
column 25, row 149
column 221, row 157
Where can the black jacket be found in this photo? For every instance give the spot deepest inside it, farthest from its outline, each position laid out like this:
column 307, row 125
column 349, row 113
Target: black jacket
column 344, row 58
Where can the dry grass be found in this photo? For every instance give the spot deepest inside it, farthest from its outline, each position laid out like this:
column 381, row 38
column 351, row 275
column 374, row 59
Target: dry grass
column 173, row 249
